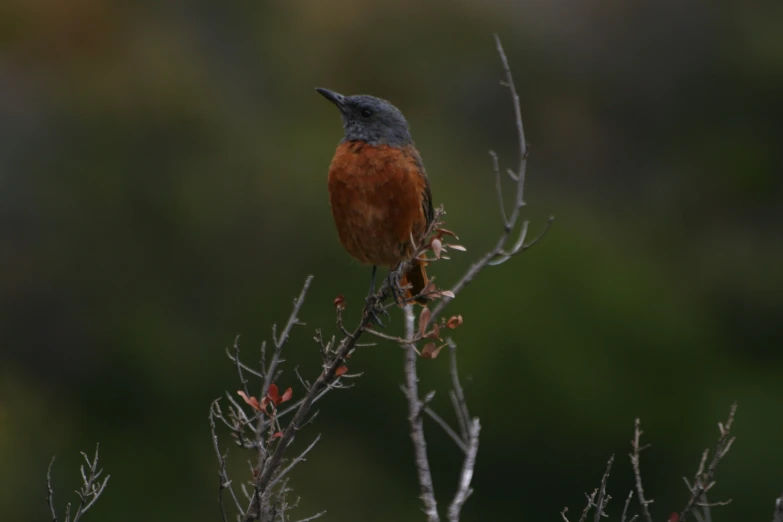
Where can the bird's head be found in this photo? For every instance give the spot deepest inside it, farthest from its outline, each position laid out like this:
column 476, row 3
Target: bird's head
column 370, row 119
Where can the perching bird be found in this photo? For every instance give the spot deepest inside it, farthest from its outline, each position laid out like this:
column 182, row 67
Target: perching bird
column 378, row 188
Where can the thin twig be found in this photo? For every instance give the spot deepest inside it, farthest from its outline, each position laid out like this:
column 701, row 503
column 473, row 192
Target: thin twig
column 280, row 343
column 89, row 493
column 92, row 487
column 460, row 404
column 296, row 461
column 50, row 491
column 316, row 391
column 499, row 190
column 637, row 470
column 704, row 480
column 498, row 253
column 463, row 423
column 625, row 507
column 449, row 431
column 225, row 483
column 590, row 504
column 603, row 498
column 317, row 515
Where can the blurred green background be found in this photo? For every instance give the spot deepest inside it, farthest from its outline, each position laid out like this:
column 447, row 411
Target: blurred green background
column 163, row 189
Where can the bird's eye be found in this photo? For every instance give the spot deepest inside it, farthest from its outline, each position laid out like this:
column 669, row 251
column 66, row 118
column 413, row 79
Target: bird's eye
column 366, row 113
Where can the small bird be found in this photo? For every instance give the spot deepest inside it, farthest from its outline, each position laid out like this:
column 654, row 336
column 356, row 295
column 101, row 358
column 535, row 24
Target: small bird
column 378, row 189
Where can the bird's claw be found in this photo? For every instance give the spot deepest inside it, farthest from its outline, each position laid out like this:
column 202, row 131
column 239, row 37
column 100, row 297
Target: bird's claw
column 395, row 288
column 374, row 308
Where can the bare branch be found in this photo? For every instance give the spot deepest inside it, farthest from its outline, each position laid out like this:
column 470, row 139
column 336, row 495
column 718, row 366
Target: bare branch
column 225, row 483
column 89, row 493
column 50, row 491
column 625, row 507
column 283, row 339
column 427, row 493
column 704, row 480
column 517, row 117
column 637, row 470
column 325, row 381
column 92, row 487
column 603, row 498
column 498, row 254
column 466, row 475
column 590, row 504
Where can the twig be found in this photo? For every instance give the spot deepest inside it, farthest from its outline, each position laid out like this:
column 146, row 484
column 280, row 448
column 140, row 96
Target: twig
column 590, row 503
column 637, row 471
column 704, row 480
column 499, row 190
column 50, row 491
column 499, row 254
column 320, row 386
column 445, row 425
column 603, row 498
column 225, row 483
column 91, row 490
column 460, row 404
column 92, row 487
column 466, row 475
column 625, row 507
column 239, row 366
column 296, row 461
column 317, row 515
column 427, row 493
column 270, row 371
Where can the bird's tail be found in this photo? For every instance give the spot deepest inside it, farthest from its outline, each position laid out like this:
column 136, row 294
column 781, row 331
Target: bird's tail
column 416, row 277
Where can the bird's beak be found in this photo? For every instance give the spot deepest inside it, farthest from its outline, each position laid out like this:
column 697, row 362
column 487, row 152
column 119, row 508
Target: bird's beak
column 334, row 97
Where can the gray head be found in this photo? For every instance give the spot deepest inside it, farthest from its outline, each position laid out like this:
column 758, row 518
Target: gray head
column 370, row 119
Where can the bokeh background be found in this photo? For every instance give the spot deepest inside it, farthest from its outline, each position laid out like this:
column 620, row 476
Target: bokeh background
column 163, row 189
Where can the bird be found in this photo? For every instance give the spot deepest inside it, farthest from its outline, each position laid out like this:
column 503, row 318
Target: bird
column 379, row 192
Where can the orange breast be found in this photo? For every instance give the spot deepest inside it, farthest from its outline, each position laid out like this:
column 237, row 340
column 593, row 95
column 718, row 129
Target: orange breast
column 377, row 194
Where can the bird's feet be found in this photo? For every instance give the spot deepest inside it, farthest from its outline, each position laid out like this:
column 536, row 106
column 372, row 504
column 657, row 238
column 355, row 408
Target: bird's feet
column 394, row 286
column 374, row 307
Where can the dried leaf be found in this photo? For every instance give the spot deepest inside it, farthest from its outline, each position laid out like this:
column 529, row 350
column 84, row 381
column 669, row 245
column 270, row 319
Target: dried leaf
column 454, row 321
column 340, row 371
column 446, row 232
column 424, row 318
column 252, row 401
column 431, row 350
column 287, row 395
column 456, row 247
column 437, row 247
column 447, row 293
column 426, row 352
column 434, row 333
